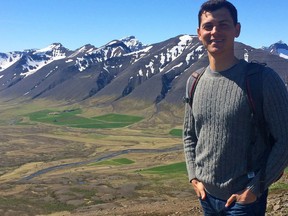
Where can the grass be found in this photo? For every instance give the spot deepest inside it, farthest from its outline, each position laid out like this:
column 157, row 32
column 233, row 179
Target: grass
column 175, row 168
column 85, row 192
column 114, row 162
column 124, row 161
column 56, row 206
column 118, row 118
column 32, row 205
column 280, row 185
column 176, row 132
column 12, row 202
column 71, row 118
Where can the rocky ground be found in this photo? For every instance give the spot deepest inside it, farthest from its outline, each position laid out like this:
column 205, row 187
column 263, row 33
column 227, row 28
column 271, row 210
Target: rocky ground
column 277, row 206
column 184, row 203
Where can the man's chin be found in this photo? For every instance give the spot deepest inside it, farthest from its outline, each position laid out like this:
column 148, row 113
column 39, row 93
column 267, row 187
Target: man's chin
column 215, row 50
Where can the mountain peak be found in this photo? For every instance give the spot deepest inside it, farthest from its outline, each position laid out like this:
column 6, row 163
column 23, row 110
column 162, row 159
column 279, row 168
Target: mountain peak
column 132, row 43
column 280, row 42
column 279, row 48
column 51, row 48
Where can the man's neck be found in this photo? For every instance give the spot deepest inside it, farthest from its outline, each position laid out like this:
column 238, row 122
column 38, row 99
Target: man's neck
column 220, row 63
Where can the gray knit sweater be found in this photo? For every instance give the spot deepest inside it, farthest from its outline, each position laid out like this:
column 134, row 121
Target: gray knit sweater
column 218, row 127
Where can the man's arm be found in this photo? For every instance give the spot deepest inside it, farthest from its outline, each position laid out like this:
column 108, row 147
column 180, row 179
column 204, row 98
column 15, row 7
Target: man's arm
column 189, row 136
column 275, row 107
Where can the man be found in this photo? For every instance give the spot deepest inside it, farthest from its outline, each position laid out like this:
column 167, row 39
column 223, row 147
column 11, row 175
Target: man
column 217, row 127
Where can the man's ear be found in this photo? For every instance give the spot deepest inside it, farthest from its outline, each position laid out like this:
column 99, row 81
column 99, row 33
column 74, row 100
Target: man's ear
column 199, row 34
column 238, row 29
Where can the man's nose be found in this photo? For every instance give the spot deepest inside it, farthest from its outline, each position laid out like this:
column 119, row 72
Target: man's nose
column 215, row 29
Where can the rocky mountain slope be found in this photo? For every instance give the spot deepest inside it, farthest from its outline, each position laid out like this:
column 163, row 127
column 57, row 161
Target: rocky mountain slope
column 121, row 70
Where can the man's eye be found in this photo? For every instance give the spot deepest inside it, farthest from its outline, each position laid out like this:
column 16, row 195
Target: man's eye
column 224, row 26
column 208, row 27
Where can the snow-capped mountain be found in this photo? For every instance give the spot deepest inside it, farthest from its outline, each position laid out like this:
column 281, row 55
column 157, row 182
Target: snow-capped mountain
column 116, row 73
column 36, row 59
column 8, row 59
column 132, row 43
column 280, row 48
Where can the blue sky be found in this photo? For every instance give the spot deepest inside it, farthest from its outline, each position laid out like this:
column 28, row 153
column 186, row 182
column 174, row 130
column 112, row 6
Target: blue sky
column 26, row 24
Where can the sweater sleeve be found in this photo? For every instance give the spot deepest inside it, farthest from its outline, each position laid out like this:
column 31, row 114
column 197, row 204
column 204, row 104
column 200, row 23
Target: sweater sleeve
column 275, row 108
column 189, row 136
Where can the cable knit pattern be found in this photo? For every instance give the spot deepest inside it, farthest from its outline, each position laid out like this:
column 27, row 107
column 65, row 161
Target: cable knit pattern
column 218, row 127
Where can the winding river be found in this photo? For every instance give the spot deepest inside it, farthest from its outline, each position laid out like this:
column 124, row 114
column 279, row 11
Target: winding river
column 101, row 158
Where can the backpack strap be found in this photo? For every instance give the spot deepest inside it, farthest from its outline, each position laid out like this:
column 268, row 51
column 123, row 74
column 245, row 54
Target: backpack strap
column 191, row 85
column 254, row 92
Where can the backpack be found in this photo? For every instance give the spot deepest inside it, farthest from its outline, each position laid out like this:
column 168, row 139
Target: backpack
column 254, row 93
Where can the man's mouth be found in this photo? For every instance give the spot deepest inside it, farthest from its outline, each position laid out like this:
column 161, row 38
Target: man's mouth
column 216, row 41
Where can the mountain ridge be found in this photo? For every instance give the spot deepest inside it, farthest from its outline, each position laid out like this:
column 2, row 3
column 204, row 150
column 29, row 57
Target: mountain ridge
column 119, row 71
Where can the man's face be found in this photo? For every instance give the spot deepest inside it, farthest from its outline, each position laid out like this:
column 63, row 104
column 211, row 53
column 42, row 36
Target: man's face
column 217, row 31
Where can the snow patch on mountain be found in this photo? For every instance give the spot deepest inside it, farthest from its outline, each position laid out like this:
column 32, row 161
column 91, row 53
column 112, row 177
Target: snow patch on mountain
column 32, row 66
column 81, row 64
column 139, row 54
column 54, row 51
column 115, row 48
column 51, row 71
column 280, row 48
column 42, row 57
column 185, row 40
column 176, row 66
column 170, row 55
column 69, row 60
column 165, row 57
column 8, row 59
column 81, row 50
column 133, row 44
column 283, row 53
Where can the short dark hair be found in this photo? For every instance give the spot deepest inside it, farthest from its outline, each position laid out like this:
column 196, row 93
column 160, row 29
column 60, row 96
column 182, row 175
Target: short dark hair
column 212, row 5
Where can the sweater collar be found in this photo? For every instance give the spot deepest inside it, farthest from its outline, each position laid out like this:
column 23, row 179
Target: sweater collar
column 227, row 73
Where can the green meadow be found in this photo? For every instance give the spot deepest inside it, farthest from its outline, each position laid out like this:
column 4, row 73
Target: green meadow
column 175, row 168
column 176, row 132
column 114, row 162
column 72, row 118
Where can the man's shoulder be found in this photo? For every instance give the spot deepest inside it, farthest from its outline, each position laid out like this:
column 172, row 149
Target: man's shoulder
column 266, row 75
column 198, row 72
column 266, row 71
column 195, row 75
column 261, row 68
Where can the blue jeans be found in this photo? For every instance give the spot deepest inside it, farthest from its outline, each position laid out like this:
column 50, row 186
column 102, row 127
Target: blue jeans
column 216, row 207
